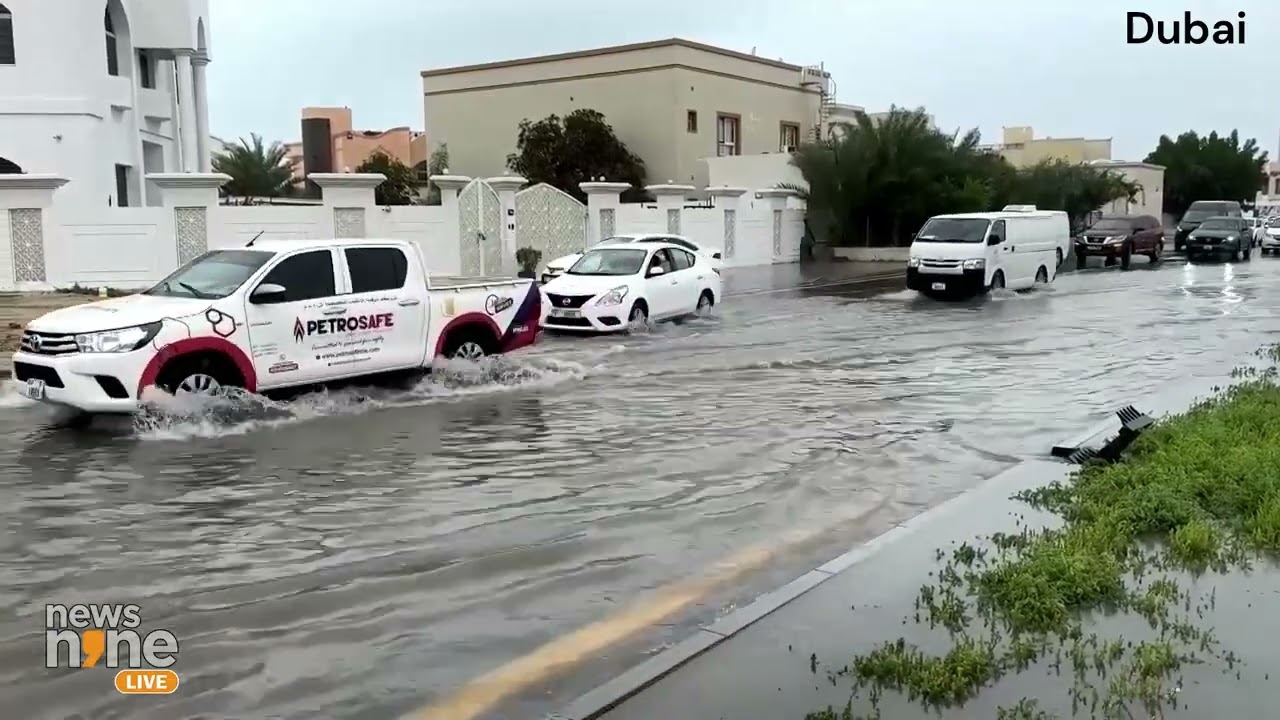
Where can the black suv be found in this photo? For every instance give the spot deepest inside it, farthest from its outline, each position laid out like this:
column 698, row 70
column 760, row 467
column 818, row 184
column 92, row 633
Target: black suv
column 1200, row 211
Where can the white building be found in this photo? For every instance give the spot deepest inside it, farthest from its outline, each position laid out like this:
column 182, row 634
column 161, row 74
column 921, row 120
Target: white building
column 104, row 92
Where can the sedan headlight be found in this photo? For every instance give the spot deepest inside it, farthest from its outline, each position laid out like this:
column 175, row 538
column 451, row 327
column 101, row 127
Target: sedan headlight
column 117, row 341
column 1231, row 238
column 913, row 262
column 614, row 296
column 976, row 264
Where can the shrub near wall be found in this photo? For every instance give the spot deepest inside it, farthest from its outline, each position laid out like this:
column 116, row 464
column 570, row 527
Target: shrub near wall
column 1198, row 496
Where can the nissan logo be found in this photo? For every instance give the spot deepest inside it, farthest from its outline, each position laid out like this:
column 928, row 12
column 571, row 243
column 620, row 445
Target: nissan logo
column 36, row 342
column 565, row 302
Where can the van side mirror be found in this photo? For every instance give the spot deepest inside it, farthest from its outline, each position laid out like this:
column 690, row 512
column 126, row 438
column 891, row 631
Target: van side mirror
column 268, row 293
column 995, row 240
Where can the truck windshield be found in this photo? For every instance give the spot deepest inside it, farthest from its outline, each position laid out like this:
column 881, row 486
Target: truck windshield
column 213, row 275
column 610, row 261
column 957, row 230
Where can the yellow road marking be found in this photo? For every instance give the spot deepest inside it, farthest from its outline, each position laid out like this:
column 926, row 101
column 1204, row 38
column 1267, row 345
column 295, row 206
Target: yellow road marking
column 488, row 690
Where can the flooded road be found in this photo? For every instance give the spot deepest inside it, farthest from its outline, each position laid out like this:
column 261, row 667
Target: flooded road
column 363, row 554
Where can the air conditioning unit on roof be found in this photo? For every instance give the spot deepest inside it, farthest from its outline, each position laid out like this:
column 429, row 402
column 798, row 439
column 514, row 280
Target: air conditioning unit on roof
column 1019, row 208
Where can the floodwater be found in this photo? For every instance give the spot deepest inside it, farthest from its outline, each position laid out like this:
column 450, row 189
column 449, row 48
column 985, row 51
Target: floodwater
column 362, row 553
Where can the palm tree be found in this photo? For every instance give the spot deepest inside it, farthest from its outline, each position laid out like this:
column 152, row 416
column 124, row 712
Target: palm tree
column 256, row 171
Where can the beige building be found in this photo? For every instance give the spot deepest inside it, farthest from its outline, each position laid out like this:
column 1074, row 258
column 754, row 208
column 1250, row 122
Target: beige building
column 330, row 143
column 673, row 102
column 1148, row 177
column 1022, row 149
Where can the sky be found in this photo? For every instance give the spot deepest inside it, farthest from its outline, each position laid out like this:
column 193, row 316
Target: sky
column 1062, row 66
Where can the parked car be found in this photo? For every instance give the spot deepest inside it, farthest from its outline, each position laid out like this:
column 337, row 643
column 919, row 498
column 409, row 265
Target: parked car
column 558, row 266
column 615, row 286
column 969, row 253
column 272, row 316
column 1270, row 243
column 1198, row 212
column 1119, row 237
column 1217, row 236
column 1255, row 229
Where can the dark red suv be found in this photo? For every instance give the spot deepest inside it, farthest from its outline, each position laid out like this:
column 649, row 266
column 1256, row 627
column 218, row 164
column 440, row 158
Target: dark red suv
column 1119, row 238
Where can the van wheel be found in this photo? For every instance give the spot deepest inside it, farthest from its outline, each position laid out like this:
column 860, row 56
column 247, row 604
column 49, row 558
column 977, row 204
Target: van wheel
column 1042, row 276
column 201, row 374
column 997, row 281
column 1058, row 254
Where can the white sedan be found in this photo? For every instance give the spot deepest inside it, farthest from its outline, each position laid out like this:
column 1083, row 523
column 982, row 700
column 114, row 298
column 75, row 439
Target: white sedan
column 557, row 267
column 1271, row 236
column 614, row 287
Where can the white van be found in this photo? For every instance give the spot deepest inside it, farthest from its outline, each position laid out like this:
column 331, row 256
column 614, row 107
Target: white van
column 970, row 253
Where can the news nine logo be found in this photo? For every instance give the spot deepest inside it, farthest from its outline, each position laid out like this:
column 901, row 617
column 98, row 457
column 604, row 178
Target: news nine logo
column 89, row 636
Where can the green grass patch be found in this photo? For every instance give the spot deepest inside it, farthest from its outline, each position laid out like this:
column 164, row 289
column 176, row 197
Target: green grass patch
column 1198, row 493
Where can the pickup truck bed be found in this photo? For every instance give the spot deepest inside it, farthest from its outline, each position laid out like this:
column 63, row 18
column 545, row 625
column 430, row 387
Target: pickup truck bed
column 446, row 282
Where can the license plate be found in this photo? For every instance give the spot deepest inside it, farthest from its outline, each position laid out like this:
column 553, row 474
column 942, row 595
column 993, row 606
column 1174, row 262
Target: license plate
column 558, row 312
column 939, row 286
column 34, row 389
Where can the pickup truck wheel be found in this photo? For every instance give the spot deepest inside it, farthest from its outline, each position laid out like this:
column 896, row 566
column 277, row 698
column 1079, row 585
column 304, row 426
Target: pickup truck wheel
column 469, row 350
column 203, row 374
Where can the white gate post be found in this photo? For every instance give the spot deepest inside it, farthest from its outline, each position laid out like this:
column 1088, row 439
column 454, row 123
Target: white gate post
column 187, row 197
column 777, row 202
column 350, row 195
column 728, row 200
column 671, row 203
column 506, row 187
column 450, row 186
column 603, row 199
column 26, row 225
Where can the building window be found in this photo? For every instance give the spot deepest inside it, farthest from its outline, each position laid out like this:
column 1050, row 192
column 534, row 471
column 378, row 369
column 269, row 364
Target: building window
column 788, row 137
column 727, row 133
column 146, row 70
column 7, row 56
column 122, row 186
column 691, row 121
column 113, row 60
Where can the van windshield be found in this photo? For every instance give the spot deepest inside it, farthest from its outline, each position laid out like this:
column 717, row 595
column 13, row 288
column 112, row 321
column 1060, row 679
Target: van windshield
column 955, row 230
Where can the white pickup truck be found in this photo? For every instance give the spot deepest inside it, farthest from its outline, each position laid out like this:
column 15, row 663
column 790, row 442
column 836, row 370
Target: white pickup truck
column 274, row 315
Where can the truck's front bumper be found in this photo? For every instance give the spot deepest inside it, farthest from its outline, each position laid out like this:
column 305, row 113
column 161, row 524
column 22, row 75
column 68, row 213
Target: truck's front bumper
column 89, row 382
column 968, row 282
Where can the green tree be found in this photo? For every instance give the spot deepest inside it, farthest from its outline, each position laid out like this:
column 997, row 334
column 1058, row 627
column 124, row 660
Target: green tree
column 437, row 164
column 257, row 170
column 579, row 147
column 1212, row 167
column 401, row 184
column 875, row 183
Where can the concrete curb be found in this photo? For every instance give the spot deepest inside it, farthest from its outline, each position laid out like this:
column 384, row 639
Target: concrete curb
column 606, row 697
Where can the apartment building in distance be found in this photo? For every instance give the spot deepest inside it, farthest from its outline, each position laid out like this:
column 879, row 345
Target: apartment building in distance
column 673, row 102
column 331, row 144
column 1022, row 149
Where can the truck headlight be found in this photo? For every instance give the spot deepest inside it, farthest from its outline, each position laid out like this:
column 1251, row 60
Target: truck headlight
column 118, row 341
column 976, row 264
column 913, row 262
column 614, row 296
column 1114, row 239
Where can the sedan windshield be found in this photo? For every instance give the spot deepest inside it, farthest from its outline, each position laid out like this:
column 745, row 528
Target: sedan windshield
column 1274, row 221
column 610, row 261
column 213, row 275
column 1220, row 223
column 965, row 230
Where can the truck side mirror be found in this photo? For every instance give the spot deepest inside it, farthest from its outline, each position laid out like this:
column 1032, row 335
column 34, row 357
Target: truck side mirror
column 268, row 293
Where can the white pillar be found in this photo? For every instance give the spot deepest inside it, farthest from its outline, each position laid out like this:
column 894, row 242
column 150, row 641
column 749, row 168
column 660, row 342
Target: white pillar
column 776, row 198
column 27, row 229
column 201, row 92
column 351, row 197
column 506, row 188
column 603, row 199
column 728, row 200
column 671, row 203
column 190, row 197
column 450, row 186
column 187, row 108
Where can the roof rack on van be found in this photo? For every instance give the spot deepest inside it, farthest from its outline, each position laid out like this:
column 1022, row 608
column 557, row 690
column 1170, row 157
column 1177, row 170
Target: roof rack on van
column 1019, row 208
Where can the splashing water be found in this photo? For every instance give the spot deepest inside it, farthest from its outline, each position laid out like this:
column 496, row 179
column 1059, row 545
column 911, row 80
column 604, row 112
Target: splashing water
column 236, row 412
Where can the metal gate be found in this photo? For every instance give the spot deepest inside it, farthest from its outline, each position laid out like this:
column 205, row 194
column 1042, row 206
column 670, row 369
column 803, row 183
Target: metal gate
column 550, row 220
column 480, row 223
